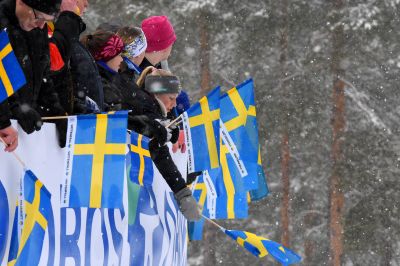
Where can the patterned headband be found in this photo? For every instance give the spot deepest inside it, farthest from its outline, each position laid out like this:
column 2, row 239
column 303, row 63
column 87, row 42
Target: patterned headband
column 111, row 49
column 137, row 47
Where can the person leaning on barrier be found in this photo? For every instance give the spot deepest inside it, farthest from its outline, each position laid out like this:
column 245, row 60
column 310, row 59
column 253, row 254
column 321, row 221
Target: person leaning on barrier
column 25, row 22
column 159, row 91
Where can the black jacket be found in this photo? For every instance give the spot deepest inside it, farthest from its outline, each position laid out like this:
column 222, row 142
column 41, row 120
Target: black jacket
column 111, row 89
column 32, row 51
column 86, row 78
column 4, row 115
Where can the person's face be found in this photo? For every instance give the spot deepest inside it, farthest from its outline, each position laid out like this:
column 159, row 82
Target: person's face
column 166, row 53
column 30, row 18
column 115, row 63
column 168, row 99
column 82, row 5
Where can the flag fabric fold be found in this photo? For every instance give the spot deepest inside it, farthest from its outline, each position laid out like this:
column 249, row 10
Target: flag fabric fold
column 260, row 247
column 11, row 74
column 141, row 171
column 29, row 228
column 262, row 190
column 95, row 161
column 201, row 128
column 239, row 131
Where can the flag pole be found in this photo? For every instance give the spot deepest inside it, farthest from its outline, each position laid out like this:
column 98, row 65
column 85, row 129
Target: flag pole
column 15, row 154
column 55, row 117
column 214, row 223
column 175, row 121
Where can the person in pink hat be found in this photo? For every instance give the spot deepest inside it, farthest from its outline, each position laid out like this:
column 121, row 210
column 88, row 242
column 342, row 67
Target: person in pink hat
column 160, row 37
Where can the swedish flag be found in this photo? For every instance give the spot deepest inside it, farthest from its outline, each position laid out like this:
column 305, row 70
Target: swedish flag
column 262, row 190
column 201, row 127
column 238, row 114
column 232, row 196
column 11, row 73
column 141, row 171
column 28, row 249
column 260, row 247
column 95, row 161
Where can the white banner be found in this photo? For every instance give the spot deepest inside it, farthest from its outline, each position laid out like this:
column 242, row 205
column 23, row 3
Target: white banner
column 152, row 233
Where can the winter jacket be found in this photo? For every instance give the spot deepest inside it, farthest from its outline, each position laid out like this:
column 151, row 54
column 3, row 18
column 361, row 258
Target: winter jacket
column 80, row 79
column 146, row 63
column 71, row 25
column 86, row 77
column 32, row 51
column 4, row 115
column 111, row 88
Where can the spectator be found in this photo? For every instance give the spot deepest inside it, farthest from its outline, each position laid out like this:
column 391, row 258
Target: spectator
column 106, row 48
column 160, row 37
column 25, row 22
column 162, row 89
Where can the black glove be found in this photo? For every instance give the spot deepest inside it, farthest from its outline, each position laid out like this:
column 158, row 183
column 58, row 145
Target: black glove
column 174, row 135
column 28, row 118
column 190, row 178
column 148, row 127
column 61, row 126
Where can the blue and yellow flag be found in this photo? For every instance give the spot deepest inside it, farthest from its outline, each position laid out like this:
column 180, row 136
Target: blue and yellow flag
column 141, row 171
column 201, row 127
column 95, row 161
column 204, row 192
column 239, row 131
column 11, row 74
column 260, row 247
column 27, row 249
column 262, row 191
column 232, row 195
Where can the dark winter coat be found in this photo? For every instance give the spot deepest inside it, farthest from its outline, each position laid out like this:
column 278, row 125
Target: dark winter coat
column 111, row 89
column 146, row 63
column 85, row 76
column 32, row 51
column 79, row 79
column 4, row 115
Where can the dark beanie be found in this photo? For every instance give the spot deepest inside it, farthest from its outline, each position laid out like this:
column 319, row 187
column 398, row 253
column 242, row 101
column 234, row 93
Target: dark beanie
column 162, row 84
column 49, row 7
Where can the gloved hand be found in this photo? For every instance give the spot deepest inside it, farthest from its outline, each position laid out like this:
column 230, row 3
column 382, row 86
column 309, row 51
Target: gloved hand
column 61, row 126
column 190, row 178
column 28, row 118
column 174, row 134
column 172, row 130
column 188, row 205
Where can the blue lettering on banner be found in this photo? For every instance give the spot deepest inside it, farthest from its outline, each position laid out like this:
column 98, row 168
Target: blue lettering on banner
column 116, row 236
column 89, row 223
column 146, row 233
column 4, row 214
column 69, row 243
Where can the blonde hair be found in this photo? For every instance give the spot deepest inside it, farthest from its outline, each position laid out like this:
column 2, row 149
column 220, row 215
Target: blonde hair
column 153, row 72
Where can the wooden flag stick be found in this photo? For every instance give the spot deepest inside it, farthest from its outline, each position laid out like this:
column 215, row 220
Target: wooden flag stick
column 214, row 223
column 55, row 117
column 15, row 154
column 177, row 120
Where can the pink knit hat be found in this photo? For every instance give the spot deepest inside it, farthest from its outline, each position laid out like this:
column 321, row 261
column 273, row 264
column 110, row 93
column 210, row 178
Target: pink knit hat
column 159, row 33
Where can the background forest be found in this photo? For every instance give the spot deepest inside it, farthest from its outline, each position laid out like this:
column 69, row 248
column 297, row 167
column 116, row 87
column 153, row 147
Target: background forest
column 327, row 85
